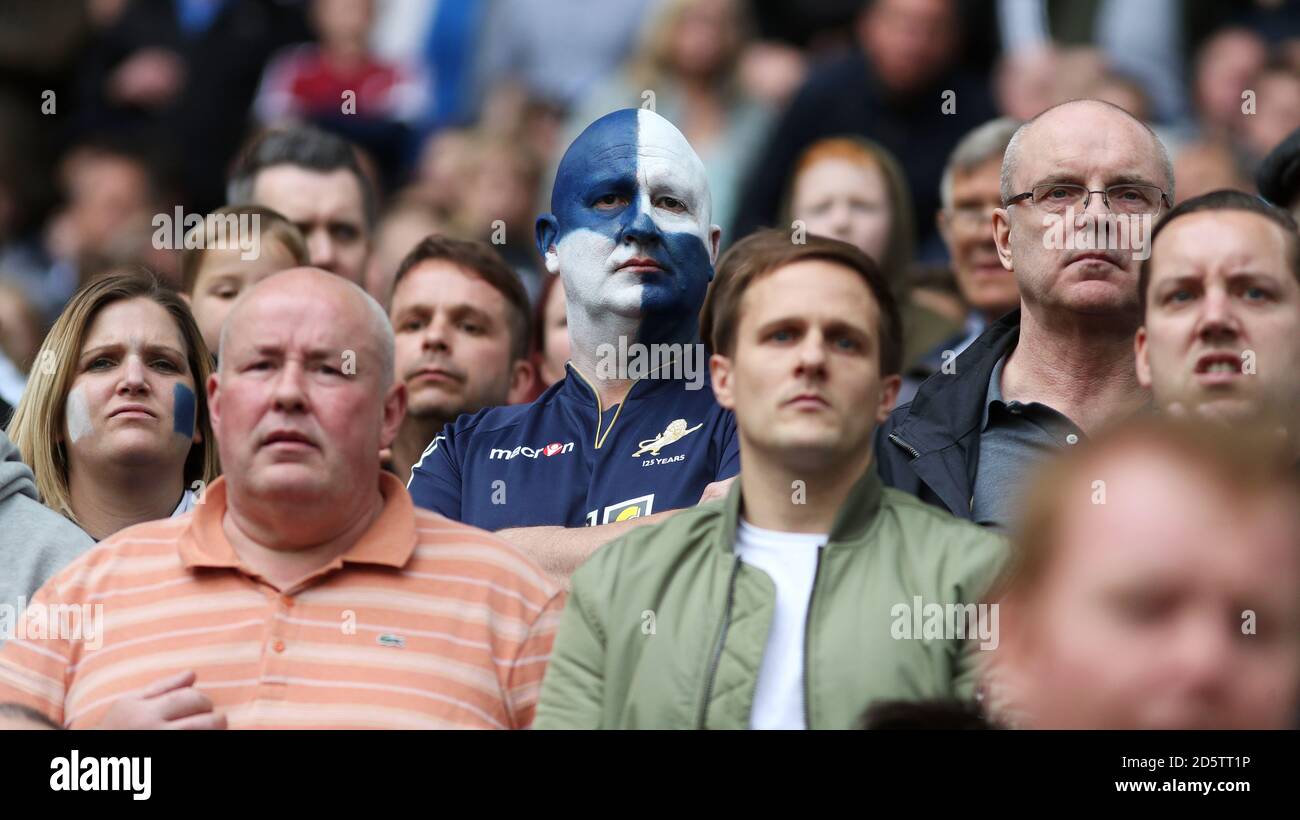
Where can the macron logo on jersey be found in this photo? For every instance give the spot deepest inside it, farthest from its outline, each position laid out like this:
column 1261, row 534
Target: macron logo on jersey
column 554, row 448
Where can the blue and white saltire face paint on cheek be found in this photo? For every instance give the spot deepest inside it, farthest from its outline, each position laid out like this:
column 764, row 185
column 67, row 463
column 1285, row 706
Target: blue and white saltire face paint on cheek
column 629, row 230
column 77, row 411
column 184, row 410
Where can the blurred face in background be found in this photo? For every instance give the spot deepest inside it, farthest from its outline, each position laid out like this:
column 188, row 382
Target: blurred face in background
column 846, row 200
column 555, row 336
column 343, row 23
column 1123, row 92
column 704, row 37
column 1204, row 167
column 967, row 229
column 329, row 210
column 1025, row 82
column 909, row 42
column 444, row 169
column 222, row 276
column 399, row 232
column 502, row 186
column 1277, row 112
column 1173, row 605
column 1228, row 62
column 1222, row 302
column 107, row 196
column 21, row 329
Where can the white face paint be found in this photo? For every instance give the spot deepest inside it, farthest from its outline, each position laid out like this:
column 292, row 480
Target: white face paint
column 78, row 415
column 632, row 210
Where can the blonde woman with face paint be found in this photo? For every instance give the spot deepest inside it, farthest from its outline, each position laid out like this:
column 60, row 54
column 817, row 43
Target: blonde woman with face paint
column 114, row 421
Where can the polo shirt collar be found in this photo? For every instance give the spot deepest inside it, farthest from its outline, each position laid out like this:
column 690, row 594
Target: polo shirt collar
column 993, row 395
column 389, row 541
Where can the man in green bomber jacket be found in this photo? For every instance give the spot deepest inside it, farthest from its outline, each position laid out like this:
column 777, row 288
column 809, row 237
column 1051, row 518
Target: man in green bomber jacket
column 794, row 602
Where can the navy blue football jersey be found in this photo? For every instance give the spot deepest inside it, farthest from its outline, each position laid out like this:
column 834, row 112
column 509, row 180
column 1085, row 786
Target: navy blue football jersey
column 563, row 460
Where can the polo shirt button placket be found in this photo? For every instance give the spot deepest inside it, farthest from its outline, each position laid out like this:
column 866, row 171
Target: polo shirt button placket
column 274, row 667
column 285, row 604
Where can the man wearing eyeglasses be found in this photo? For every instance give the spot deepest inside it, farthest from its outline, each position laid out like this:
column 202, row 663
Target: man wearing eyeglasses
column 1076, row 179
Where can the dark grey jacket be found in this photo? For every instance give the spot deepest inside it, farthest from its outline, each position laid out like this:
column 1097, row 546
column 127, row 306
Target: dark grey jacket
column 930, row 446
column 35, row 541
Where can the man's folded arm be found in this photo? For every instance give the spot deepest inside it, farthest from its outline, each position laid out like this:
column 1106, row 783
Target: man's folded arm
column 561, row 550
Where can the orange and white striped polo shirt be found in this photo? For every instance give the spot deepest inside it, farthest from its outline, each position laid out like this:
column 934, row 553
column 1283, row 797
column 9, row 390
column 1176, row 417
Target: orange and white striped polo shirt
column 424, row 623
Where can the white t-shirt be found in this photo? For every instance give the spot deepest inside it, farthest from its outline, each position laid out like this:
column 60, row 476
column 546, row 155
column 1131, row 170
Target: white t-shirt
column 790, row 559
column 187, row 504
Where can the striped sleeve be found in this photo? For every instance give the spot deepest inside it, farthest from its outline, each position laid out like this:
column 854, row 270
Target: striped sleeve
column 524, row 678
column 35, row 662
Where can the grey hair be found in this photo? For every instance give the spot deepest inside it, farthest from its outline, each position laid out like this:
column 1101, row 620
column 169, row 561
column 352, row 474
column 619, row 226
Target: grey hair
column 381, row 328
column 983, row 143
column 1012, row 155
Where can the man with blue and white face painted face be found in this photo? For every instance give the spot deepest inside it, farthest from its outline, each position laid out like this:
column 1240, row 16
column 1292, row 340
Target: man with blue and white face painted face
column 633, row 431
column 629, row 232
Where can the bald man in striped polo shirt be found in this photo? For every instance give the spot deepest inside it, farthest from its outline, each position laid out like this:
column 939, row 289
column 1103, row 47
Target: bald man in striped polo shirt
column 305, row 590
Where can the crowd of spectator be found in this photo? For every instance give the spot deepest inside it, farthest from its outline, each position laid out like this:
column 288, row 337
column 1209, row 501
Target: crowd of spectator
column 307, row 313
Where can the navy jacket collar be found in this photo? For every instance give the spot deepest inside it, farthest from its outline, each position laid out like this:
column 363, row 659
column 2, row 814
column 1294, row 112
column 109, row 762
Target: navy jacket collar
column 947, row 408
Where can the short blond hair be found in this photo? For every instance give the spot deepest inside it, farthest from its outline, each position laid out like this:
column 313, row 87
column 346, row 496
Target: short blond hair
column 37, row 426
column 271, row 224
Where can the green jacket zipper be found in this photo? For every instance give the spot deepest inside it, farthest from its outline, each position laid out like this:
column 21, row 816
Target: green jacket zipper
column 722, row 639
column 807, row 638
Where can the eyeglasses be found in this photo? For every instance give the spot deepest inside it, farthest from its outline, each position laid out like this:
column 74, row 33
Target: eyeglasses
column 1057, row 197
column 972, row 216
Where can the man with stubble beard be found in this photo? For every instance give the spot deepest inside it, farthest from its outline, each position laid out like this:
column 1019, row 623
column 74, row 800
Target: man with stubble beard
column 460, row 315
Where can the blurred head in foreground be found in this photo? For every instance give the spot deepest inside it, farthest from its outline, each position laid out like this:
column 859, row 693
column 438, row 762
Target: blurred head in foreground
column 1155, row 585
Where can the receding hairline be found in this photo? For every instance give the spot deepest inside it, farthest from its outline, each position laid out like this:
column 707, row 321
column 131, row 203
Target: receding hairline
column 1010, row 158
column 382, row 329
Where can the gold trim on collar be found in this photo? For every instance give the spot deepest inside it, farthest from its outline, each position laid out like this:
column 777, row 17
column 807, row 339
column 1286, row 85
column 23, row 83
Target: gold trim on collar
column 600, row 408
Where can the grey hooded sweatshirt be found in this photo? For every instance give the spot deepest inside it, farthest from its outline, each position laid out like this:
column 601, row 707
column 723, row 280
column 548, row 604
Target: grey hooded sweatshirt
column 35, row 541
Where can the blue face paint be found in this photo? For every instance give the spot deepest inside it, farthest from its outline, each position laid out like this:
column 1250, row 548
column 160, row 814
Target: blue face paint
column 602, row 160
column 184, row 406
column 671, row 307
column 613, row 160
